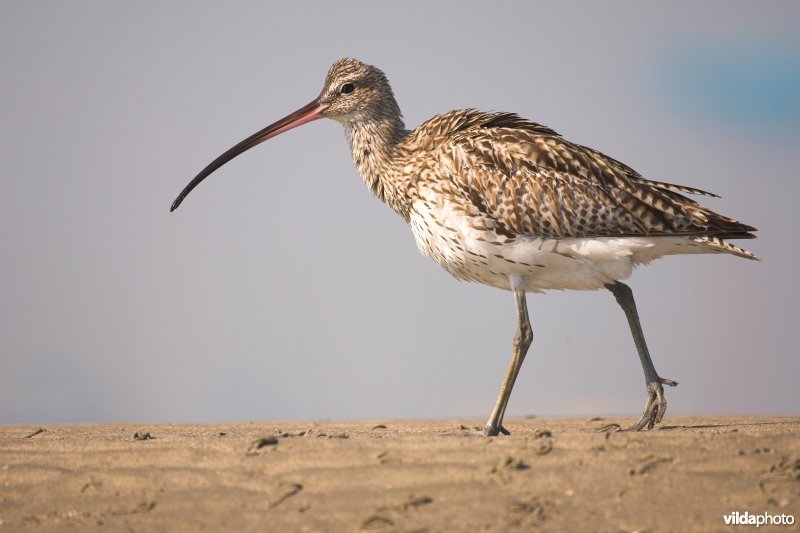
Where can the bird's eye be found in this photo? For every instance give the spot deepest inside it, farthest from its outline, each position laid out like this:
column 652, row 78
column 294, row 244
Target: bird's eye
column 348, row 88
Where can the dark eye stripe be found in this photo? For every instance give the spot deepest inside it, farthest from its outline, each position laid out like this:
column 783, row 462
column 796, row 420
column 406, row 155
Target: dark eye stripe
column 348, row 88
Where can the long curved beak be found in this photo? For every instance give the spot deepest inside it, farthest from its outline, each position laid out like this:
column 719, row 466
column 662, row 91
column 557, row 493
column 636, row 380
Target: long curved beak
column 311, row 111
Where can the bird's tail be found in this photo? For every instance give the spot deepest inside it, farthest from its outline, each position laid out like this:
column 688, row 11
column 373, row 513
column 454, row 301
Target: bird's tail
column 725, row 247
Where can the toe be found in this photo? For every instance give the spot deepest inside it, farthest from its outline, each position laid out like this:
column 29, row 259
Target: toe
column 491, row 431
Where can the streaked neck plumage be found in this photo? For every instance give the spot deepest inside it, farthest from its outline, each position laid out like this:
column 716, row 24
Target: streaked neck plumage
column 376, row 142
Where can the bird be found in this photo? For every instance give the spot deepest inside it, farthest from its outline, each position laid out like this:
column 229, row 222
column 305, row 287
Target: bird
column 500, row 200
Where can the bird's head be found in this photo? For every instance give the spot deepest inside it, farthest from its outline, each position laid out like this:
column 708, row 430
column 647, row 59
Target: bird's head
column 353, row 92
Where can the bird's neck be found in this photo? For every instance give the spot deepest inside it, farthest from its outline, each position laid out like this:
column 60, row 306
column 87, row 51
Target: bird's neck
column 376, row 146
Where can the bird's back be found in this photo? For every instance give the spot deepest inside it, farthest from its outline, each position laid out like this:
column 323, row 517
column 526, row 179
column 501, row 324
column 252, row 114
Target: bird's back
column 501, row 178
column 532, row 181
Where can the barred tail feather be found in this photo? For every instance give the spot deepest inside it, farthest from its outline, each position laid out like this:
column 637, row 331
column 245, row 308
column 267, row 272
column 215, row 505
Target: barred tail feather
column 722, row 246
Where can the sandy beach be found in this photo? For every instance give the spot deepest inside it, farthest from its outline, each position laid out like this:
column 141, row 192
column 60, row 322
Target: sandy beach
column 549, row 475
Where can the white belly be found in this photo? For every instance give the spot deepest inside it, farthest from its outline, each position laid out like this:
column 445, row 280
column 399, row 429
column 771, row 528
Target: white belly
column 450, row 238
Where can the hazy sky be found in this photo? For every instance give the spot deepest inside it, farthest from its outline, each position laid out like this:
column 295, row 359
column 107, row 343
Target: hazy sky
column 281, row 289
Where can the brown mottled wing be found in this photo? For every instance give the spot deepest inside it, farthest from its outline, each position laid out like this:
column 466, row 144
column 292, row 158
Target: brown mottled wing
column 534, row 182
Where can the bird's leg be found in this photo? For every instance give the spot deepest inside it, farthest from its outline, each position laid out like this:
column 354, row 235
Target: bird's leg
column 656, row 404
column 522, row 341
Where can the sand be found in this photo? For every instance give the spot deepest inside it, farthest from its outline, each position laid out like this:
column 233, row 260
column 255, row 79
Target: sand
column 549, row 475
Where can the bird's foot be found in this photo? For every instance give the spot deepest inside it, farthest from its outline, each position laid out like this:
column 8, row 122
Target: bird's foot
column 656, row 405
column 493, row 431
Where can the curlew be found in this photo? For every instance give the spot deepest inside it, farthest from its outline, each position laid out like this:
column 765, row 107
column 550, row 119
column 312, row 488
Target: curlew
column 500, row 200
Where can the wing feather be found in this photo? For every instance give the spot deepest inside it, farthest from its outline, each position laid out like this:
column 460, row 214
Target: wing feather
column 534, row 182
